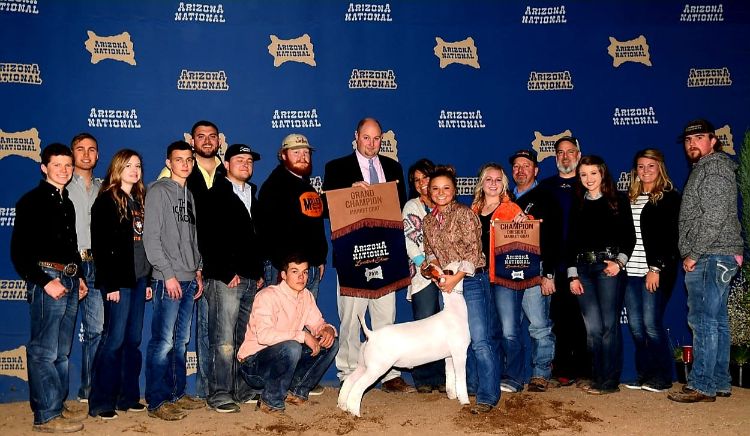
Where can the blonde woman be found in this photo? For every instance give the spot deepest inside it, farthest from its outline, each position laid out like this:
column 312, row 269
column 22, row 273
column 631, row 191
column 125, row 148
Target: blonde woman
column 492, row 202
column 652, row 268
column 122, row 272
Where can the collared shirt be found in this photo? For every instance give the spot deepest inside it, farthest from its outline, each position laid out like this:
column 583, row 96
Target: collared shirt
column 83, row 198
column 519, row 194
column 208, row 177
column 245, row 193
column 44, row 231
column 279, row 314
column 364, row 167
column 454, row 234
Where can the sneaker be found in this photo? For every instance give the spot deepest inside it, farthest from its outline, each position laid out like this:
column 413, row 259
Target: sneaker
column 690, row 397
column 537, row 384
column 481, row 408
column 636, row 386
column 654, row 388
column 254, row 398
column 317, row 390
column 107, row 415
column 723, row 394
column 397, row 385
column 505, row 387
column 58, row 424
column 168, row 412
column 83, row 400
column 228, row 408
column 566, row 381
column 602, row 391
column 137, row 407
column 186, row 402
column 441, row 388
column 73, row 415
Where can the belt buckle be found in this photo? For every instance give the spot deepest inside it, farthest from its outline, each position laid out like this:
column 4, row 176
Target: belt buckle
column 70, row 270
column 589, row 257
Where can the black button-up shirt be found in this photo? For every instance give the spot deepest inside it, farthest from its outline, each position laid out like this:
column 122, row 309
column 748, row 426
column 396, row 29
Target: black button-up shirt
column 44, row 231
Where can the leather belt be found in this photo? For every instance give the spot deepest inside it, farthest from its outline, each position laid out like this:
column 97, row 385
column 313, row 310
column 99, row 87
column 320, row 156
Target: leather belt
column 69, row 270
column 87, row 255
column 591, row 257
column 481, row 270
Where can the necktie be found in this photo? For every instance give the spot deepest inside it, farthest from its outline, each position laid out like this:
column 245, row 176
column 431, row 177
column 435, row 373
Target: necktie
column 373, row 173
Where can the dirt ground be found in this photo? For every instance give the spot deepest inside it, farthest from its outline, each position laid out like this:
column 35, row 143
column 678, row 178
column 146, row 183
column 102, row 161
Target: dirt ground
column 558, row 411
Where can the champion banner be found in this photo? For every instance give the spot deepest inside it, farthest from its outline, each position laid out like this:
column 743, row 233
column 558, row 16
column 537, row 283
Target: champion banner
column 367, row 235
column 516, row 262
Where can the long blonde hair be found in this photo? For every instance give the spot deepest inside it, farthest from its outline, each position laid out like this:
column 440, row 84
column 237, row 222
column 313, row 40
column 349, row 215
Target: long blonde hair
column 112, row 183
column 479, row 198
column 662, row 184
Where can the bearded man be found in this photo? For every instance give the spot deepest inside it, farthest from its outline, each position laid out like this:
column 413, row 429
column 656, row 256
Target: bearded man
column 288, row 201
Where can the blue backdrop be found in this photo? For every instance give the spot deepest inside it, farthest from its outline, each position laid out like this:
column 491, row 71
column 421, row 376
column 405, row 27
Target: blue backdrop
column 459, row 82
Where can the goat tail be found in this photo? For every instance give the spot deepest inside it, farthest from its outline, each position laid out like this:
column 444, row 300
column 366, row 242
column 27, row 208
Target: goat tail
column 364, row 326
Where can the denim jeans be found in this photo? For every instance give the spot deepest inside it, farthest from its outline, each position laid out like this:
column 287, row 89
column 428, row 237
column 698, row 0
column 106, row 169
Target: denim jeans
column 271, row 277
column 203, row 354
column 536, row 309
column 52, row 327
column 92, row 324
column 482, row 367
column 424, row 304
column 117, row 367
column 286, row 367
column 167, row 350
column 228, row 314
column 653, row 356
column 601, row 305
column 708, row 289
column 508, row 303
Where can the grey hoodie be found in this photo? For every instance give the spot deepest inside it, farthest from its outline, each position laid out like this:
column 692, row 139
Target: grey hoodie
column 708, row 214
column 169, row 232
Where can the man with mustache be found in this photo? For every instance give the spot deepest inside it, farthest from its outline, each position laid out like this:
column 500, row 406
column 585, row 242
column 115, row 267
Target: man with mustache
column 711, row 248
column 572, row 360
column 288, row 201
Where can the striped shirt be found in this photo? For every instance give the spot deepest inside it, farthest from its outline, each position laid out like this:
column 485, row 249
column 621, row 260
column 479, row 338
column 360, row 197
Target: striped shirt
column 637, row 265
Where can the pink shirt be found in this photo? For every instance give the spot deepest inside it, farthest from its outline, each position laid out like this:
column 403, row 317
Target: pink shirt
column 279, row 313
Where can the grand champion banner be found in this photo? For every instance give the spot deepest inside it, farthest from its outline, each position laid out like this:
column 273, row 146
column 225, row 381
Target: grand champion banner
column 367, row 235
column 516, row 262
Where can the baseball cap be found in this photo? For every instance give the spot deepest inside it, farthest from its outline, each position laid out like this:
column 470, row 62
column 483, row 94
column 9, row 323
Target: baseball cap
column 528, row 154
column 696, row 126
column 295, row 140
column 235, row 149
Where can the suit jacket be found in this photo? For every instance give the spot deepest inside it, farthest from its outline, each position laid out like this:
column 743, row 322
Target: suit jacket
column 344, row 171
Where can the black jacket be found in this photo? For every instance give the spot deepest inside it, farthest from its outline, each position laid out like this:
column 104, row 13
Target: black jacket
column 540, row 203
column 344, row 171
column 112, row 245
column 659, row 230
column 227, row 235
column 594, row 226
column 197, row 184
column 290, row 218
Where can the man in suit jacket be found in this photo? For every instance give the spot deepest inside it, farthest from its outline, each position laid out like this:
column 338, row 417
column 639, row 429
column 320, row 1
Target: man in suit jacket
column 362, row 168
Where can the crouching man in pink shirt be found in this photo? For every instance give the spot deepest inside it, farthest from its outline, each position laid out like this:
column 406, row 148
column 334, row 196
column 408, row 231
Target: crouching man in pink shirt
column 288, row 345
